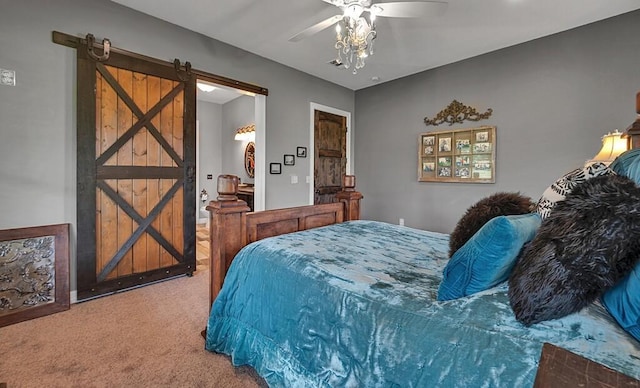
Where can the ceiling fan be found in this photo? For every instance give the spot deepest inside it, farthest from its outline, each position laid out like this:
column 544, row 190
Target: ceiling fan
column 356, row 29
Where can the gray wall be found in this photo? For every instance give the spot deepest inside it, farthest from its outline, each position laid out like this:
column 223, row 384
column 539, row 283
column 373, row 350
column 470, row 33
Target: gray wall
column 237, row 113
column 210, row 149
column 37, row 116
column 552, row 99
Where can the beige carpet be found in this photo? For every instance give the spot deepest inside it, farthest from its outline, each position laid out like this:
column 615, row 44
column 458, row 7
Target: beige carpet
column 147, row 337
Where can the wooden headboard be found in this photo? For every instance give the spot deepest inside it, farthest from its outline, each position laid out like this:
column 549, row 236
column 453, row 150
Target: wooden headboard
column 232, row 226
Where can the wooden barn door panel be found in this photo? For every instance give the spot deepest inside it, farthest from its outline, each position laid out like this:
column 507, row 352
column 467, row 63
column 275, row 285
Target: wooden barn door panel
column 136, row 164
column 330, row 142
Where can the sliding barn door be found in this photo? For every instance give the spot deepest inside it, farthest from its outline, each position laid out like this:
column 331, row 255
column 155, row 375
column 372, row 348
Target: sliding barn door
column 136, row 172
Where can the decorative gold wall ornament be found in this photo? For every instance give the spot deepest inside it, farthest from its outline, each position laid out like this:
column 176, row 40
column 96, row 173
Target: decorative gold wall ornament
column 457, row 112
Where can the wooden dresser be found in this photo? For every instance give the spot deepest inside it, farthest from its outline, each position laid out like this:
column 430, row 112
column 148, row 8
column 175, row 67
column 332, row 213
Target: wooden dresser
column 245, row 193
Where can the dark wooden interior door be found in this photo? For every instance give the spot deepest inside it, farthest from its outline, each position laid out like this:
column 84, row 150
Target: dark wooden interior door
column 136, row 173
column 330, row 150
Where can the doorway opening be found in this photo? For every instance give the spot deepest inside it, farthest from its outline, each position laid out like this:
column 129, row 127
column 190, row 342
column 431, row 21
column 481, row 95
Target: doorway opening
column 222, row 110
column 220, row 113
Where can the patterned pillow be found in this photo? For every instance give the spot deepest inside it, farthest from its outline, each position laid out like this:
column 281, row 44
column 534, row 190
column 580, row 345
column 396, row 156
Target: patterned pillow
column 563, row 186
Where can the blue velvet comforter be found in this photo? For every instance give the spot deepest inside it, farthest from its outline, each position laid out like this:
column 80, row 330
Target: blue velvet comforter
column 354, row 305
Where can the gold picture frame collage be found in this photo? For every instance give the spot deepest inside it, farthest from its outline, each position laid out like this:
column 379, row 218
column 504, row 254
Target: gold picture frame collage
column 462, row 155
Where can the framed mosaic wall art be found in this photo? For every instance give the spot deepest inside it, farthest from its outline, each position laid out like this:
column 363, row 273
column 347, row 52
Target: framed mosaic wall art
column 34, row 272
column 462, row 155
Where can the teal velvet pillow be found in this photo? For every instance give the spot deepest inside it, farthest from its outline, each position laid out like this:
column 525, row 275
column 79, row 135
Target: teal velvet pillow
column 488, row 257
column 623, row 302
column 628, row 164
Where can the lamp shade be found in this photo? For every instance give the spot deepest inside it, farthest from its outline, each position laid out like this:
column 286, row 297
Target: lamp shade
column 613, row 144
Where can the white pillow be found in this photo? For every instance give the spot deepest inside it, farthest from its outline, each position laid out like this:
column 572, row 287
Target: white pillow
column 563, row 186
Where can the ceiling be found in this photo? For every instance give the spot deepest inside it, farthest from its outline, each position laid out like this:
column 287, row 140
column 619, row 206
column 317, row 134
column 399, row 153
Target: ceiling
column 403, row 46
column 219, row 95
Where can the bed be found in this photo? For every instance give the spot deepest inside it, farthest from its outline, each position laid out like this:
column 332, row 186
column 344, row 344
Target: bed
column 352, row 303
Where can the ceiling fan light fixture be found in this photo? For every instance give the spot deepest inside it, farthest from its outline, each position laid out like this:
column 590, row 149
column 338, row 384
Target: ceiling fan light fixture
column 356, row 26
column 354, row 10
column 355, row 43
column 375, row 10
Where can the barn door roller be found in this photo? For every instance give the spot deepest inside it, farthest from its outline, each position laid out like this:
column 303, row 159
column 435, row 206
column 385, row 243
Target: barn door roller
column 106, row 46
column 183, row 75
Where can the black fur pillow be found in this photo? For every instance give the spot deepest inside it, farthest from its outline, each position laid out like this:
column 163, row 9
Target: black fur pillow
column 499, row 204
column 589, row 242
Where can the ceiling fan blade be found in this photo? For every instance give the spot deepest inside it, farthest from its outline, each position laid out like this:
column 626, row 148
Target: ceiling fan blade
column 316, row 28
column 410, row 9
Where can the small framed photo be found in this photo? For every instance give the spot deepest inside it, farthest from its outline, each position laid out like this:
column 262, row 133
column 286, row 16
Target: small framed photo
column 444, row 162
column 463, row 146
column 428, row 166
column 301, row 152
column 482, row 136
column 289, row 160
column 480, row 148
column 444, row 171
column 275, row 168
column 444, row 144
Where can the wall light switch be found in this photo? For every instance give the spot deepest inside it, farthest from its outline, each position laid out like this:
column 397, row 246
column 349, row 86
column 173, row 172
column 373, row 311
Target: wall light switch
column 209, row 176
column 308, row 178
column 294, row 179
column 7, row 77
